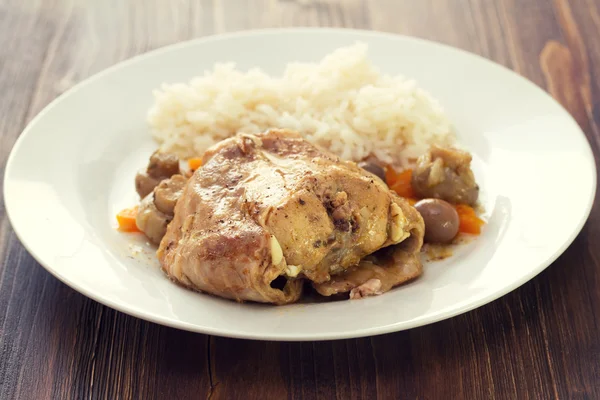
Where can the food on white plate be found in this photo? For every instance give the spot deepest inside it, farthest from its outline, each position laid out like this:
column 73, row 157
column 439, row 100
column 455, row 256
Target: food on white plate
column 161, row 166
column 329, row 179
column 441, row 220
column 272, row 209
column 446, row 174
column 344, row 104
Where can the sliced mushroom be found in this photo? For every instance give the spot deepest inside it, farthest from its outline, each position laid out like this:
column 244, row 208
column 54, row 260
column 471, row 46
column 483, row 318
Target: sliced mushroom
column 145, row 184
column 160, row 167
column 163, row 165
column 168, row 192
column 445, row 174
column 157, row 209
column 151, row 221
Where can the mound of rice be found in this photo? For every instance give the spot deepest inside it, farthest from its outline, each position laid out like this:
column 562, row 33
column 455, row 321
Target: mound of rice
column 342, row 103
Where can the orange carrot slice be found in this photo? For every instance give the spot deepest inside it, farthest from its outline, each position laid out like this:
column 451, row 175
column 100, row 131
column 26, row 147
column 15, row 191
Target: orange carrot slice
column 390, row 176
column 195, row 163
column 402, row 185
column 469, row 221
column 126, row 220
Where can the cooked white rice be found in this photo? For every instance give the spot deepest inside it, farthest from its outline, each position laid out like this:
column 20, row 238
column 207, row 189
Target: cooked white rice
column 343, row 103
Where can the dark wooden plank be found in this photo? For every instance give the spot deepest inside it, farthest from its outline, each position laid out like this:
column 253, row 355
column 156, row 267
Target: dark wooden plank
column 56, row 343
column 19, row 71
column 568, row 70
column 540, row 341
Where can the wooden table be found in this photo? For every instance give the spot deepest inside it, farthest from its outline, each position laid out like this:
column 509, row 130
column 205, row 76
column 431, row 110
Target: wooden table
column 541, row 341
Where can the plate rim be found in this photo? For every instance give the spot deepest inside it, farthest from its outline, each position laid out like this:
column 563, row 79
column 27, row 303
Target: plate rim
column 379, row 330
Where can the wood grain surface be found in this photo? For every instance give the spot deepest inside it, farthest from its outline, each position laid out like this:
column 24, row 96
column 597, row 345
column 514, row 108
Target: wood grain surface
column 541, row 341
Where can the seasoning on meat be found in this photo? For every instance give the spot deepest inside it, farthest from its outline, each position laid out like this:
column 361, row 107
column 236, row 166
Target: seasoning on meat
column 320, row 218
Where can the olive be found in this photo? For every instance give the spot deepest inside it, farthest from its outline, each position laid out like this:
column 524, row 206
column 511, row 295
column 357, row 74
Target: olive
column 373, row 168
column 441, row 220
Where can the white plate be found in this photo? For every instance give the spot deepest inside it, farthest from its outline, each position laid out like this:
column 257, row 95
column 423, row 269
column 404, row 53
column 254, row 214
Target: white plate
column 72, row 169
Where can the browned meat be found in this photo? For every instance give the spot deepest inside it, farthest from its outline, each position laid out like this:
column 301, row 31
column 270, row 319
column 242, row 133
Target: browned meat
column 373, row 168
column 273, row 205
column 383, row 270
column 161, row 166
column 372, row 287
column 157, row 208
column 445, row 174
column 375, row 275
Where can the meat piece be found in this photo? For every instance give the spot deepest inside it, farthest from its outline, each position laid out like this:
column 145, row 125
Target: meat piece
column 157, row 208
column 372, row 287
column 391, row 266
column 161, row 166
column 445, row 174
column 273, row 205
column 373, row 168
